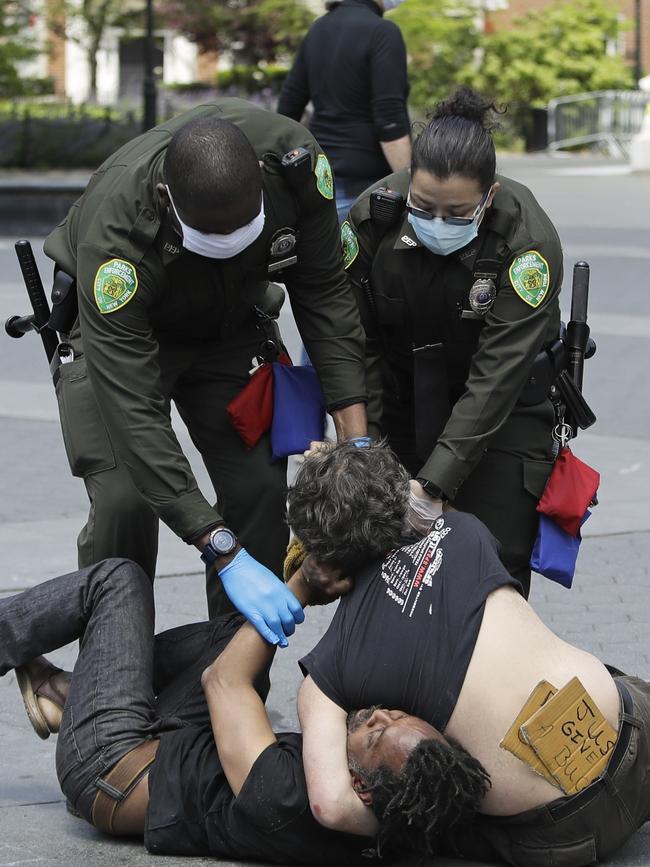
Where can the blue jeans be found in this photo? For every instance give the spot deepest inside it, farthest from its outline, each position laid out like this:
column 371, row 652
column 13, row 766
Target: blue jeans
column 127, row 686
column 348, row 191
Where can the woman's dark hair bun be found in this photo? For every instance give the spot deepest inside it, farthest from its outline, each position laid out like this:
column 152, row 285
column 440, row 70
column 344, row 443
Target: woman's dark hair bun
column 457, row 140
column 469, row 104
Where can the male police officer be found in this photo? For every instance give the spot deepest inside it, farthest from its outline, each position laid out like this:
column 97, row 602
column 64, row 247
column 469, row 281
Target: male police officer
column 172, row 245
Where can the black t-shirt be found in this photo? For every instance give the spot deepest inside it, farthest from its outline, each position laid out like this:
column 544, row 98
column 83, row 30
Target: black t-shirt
column 352, row 66
column 192, row 810
column 405, row 636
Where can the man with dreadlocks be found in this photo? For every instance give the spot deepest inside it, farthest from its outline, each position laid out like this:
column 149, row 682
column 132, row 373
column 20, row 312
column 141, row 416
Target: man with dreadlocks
column 168, row 738
column 440, row 629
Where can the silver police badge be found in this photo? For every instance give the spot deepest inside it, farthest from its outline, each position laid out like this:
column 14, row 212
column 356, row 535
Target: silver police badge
column 282, row 243
column 482, row 295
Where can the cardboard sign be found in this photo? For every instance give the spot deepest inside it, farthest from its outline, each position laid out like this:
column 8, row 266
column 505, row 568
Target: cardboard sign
column 514, row 741
column 571, row 737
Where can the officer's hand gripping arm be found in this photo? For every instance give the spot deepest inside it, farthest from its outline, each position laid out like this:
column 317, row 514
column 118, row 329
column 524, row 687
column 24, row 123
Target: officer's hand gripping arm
column 261, row 597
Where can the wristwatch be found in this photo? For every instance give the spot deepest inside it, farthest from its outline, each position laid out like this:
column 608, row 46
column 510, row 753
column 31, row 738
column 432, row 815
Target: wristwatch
column 432, row 490
column 222, row 542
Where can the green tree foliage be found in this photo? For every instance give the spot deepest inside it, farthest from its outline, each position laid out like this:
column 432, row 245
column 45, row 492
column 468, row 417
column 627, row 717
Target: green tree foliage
column 442, row 41
column 257, row 31
column 558, row 51
column 15, row 45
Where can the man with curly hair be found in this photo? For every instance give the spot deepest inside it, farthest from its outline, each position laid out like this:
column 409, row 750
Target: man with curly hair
column 439, row 628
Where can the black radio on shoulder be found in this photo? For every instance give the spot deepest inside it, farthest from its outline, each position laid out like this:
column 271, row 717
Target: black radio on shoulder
column 386, row 206
column 296, row 166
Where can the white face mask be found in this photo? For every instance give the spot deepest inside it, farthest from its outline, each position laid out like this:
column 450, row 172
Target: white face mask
column 391, row 4
column 215, row 246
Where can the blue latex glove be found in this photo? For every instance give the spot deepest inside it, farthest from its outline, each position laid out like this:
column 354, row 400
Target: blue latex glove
column 261, row 597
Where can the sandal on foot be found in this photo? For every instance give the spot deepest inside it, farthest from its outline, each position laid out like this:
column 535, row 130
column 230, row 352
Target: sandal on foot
column 34, row 683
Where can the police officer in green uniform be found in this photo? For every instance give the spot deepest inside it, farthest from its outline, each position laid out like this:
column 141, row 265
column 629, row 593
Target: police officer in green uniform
column 458, row 273
column 172, row 246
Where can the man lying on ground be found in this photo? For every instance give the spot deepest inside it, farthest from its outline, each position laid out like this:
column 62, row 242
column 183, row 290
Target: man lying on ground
column 439, row 629
column 141, row 751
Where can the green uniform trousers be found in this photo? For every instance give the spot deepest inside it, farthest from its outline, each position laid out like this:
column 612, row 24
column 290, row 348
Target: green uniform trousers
column 505, row 487
column 201, row 379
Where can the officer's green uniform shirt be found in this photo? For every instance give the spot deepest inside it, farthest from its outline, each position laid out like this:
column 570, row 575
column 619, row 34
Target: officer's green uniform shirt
column 163, row 293
column 488, row 360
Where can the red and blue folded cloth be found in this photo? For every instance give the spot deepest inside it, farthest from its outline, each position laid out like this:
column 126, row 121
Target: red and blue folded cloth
column 284, row 399
column 563, row 508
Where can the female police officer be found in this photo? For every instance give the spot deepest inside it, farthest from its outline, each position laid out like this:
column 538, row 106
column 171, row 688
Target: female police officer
column 458, row 273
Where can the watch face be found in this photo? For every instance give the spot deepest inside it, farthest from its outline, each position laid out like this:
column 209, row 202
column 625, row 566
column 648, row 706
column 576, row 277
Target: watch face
column 223, row 540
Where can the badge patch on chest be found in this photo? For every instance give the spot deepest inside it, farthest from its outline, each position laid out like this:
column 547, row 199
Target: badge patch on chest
column 324, row 179
column 529, row 275
column 482, row 295
column 349, row 244
column 115, row 285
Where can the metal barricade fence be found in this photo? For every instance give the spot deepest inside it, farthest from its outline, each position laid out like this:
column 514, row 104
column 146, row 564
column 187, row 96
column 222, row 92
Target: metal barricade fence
column 607, row 117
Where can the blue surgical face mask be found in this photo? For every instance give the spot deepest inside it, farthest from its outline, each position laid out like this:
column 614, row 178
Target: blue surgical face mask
column 440, row 237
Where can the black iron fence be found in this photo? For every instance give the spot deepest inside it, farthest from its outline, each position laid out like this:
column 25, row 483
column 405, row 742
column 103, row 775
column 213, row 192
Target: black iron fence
column 47, row 134
column 35, row 136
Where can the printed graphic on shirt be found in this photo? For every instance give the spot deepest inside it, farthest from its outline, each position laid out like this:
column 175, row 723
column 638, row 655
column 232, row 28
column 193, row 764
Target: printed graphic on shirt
column 324, row 179
column 349, row 244
column 407, row 571
column 115, row 285
column 529, row 275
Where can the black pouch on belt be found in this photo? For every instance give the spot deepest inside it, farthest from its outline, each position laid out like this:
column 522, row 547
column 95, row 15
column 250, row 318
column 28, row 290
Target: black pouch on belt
column 430, row 397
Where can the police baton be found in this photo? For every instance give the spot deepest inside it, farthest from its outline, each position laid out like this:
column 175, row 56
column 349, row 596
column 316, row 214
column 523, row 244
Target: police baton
column 578, row 347
column 17, row 326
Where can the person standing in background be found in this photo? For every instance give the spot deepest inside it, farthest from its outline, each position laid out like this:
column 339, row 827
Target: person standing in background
column 352, row 66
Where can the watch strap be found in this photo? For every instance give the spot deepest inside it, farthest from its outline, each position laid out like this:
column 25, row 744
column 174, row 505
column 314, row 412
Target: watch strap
column 432, row 490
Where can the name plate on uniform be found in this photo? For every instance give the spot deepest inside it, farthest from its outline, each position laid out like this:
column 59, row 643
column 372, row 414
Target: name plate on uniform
column 571, row 737
column 514, row 740
column 283, row 263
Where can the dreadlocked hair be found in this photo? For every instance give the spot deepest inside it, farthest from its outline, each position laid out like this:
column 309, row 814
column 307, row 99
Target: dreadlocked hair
column 440, row 785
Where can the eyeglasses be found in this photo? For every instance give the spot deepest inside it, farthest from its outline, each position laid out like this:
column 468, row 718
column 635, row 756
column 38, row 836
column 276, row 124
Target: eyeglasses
column 451, row 221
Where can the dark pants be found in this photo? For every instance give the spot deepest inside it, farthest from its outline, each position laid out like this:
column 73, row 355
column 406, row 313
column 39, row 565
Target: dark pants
column 127, row 687
column 201, row 379
column 505, row 487
column 581, row 829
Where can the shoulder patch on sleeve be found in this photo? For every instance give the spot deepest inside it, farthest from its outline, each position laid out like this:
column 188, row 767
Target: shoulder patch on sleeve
column 324, row 179
column 530, row 277
column 349, row 244
column 115, row 284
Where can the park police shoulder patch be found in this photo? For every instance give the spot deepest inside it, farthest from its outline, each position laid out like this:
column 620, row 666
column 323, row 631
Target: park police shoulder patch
column 324, row 179
column 115, row 285
column 529, row 275
column 349, row 244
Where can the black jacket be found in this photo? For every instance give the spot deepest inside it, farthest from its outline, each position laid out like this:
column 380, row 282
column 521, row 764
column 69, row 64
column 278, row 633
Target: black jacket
column 352, row 66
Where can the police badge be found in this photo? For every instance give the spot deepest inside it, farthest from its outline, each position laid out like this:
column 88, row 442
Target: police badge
column 482, row 295
column 282, row 243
